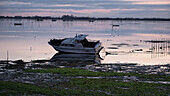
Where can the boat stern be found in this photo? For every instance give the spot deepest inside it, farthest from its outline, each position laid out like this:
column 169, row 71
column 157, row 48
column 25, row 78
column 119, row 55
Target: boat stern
column 98, row 47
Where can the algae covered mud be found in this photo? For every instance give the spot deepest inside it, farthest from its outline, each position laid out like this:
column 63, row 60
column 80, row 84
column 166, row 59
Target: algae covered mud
column 126, row 43
column 45, row 77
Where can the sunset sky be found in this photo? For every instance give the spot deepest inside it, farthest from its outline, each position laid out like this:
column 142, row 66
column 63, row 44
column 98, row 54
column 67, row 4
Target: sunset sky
column 92, row 8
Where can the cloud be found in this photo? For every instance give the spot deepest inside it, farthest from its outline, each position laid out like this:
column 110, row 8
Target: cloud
column 13, row 3
column 149, row 1
column 103, row 8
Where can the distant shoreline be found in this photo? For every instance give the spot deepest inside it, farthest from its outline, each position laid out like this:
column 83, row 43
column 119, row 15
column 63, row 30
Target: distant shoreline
column 74, row 18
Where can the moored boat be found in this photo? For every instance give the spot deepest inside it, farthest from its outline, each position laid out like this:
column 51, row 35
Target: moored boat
column 78, row 44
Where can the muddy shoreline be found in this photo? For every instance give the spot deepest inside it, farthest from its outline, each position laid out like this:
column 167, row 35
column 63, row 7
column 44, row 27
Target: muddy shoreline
column 14, row 71
column 163, row 69
column 31, row 73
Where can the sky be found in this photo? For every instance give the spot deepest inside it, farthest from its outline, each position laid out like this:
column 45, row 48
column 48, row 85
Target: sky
column 91, row 8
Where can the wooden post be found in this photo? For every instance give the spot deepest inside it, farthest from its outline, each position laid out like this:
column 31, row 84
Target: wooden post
column 7, row 56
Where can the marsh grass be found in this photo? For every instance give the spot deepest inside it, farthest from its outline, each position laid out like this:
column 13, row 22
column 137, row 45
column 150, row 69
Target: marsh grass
column 13, row 88
column 20, row 89
column 121, row 88
column 87, row 86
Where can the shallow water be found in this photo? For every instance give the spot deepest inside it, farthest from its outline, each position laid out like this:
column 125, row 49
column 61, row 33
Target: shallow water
column 125, row 44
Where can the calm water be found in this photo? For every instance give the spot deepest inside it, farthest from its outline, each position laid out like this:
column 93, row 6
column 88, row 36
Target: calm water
column 124, row 43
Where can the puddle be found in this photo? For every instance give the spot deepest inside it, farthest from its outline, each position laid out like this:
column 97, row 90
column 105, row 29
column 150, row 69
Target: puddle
column 161, row 82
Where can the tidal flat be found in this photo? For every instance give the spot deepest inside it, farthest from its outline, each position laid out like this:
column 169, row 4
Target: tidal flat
column 44, row 78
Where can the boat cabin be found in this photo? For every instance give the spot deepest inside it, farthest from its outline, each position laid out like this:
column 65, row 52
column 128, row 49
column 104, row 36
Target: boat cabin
column 79, row 41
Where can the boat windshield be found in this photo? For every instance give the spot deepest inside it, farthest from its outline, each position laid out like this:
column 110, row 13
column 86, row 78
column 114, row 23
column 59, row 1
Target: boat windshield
column 86, row 43
column 68, row 45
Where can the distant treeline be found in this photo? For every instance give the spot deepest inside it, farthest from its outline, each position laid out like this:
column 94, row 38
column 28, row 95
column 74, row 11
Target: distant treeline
column 72, row 18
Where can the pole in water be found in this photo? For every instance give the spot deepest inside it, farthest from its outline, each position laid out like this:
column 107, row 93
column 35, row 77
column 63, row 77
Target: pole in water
column 30, row 48
column 7, row 56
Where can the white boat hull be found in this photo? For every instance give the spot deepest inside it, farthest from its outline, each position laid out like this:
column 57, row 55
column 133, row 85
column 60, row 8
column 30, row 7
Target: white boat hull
column 77, row 50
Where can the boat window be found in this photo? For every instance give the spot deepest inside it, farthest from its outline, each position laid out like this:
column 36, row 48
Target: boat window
column 63, row 45
column 71, row 45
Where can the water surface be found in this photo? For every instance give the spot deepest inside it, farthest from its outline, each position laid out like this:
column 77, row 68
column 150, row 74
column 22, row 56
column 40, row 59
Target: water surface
column 125, row 44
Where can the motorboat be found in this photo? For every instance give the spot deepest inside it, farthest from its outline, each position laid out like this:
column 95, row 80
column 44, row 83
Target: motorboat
column 79, row 44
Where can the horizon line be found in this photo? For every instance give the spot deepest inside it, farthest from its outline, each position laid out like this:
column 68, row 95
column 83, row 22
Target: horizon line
column 83, row 17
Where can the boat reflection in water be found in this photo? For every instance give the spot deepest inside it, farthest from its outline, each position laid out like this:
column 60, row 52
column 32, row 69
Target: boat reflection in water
column 86, row 58
column 60, row 60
